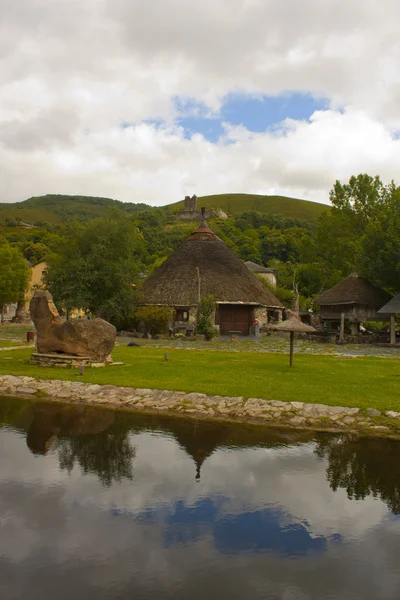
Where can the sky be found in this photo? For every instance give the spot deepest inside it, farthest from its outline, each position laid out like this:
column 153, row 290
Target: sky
column 149, row 101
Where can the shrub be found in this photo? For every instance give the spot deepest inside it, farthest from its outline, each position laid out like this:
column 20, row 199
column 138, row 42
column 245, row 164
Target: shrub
column 156, row 318
column 205, row 311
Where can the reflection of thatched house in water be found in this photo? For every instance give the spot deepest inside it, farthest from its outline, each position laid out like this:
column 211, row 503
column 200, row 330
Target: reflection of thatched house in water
column 355, row 298
column 201, row 438
column 204, row 265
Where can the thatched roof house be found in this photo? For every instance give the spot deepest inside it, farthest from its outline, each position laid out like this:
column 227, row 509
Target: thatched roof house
column 354, row 296
column 268, row 274
column 204, row 265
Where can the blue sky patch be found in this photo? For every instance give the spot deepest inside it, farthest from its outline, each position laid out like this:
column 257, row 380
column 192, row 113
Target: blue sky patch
column 256, row 114
column 258, row 531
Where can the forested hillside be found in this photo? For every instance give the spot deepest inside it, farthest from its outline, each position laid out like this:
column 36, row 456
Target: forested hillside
column 56, row 209
column 98, row 248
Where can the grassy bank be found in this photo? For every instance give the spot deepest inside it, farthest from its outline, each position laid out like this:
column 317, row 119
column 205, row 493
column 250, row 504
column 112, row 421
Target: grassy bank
column 359, row 382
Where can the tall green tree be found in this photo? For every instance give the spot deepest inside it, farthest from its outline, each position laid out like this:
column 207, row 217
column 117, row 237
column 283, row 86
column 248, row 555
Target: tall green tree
column 356, row 206
column 379, row 257
column 14, row 275
column 96, row 266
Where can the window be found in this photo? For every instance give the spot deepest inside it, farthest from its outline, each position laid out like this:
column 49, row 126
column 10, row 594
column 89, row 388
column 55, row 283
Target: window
column 181, row 315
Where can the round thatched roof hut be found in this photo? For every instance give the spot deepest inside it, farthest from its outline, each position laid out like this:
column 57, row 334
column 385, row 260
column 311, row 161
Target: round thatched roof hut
column 204, row 265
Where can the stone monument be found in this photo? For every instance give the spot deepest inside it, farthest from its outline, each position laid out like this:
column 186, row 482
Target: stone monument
column 72, row 342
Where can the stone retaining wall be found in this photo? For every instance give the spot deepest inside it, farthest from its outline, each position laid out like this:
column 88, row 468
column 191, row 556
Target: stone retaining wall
column 292, row 414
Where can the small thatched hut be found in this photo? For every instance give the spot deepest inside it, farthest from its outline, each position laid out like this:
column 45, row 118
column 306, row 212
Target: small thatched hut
column 355, row 298
column 204, row 265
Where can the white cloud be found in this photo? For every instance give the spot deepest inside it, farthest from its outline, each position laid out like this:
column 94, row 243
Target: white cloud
column 100, row 538
column 72, row 72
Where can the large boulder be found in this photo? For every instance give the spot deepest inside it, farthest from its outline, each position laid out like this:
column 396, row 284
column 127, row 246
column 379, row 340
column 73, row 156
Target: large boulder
column 76, row 337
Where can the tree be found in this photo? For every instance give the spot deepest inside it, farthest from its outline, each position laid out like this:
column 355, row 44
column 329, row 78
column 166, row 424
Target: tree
column 96, row 266
column 14, row 275
column 108, row 455
column 362, row 208
column 362, row 197
column 36, row 252
column 379, row 257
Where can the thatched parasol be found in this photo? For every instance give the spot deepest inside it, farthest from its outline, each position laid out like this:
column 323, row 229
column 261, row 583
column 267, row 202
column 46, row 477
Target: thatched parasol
column 292, row 325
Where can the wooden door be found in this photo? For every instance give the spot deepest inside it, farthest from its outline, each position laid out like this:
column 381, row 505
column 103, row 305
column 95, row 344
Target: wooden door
column 234, row 318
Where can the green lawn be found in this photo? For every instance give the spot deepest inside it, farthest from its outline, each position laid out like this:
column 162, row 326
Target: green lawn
column 361, row 382
column 10, row 343
column 14, row 333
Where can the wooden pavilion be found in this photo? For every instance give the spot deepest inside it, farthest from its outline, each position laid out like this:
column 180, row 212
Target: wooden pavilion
column 354, row 300
column 391, row 308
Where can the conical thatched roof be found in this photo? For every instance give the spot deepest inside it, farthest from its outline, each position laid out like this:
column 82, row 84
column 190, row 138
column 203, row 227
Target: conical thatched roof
column 294, row 324
column 222, row 274
column 392, row 307
column 354, row 290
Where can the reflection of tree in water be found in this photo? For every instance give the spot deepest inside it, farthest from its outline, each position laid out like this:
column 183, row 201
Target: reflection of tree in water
column 363, row 467
column 82, row 435
column 108, row 455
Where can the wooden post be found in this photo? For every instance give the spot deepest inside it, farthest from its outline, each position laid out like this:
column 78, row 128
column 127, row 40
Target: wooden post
column 291, row 348
column 198, row 284
column 392, row 329
column 341, row 335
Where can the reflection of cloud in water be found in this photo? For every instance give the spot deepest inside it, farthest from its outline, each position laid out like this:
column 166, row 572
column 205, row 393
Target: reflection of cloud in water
column 162, row 535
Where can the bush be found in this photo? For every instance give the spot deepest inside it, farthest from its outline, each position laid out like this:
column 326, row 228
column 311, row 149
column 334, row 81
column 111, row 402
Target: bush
column 205, row 311
column 156, row 318
column 376, row 325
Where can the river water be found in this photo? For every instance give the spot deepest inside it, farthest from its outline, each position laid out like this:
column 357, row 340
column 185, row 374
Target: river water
column 101, row 504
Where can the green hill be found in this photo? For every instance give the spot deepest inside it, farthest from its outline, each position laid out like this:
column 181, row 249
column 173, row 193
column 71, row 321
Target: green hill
column 57, row 209
column 282, row 205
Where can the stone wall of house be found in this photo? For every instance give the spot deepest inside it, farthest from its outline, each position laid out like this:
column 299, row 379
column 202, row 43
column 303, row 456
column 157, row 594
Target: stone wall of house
column 36, row 274
column 270, row 277
column 261, row 315
column 190, row 324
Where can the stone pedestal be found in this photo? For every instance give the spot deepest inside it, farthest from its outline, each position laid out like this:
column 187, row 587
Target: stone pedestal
column 62, row 360
column 234, row 335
